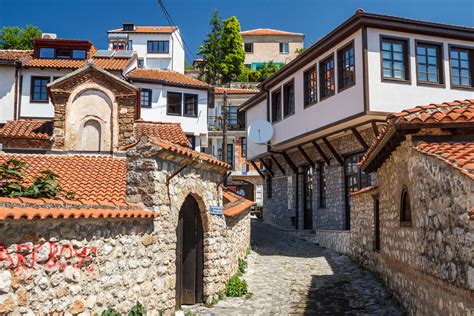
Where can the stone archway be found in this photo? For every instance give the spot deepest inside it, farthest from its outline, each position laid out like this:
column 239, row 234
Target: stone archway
column 189, row 254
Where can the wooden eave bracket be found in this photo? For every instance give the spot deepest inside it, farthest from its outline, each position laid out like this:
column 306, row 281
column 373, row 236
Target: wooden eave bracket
column 268, row 167
column 333, row 151
column 359, row 137
column 321, row 152
column 278, row 165
column 290, row 162
column 224, row 178
column 171, row 176
column 258, row 169
column 306, row 156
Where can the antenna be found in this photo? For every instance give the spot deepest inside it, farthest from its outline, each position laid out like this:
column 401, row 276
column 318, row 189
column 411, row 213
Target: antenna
column 260, row 132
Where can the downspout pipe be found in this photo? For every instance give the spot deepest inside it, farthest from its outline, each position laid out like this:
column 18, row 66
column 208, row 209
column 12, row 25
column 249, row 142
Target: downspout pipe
column 15, row 93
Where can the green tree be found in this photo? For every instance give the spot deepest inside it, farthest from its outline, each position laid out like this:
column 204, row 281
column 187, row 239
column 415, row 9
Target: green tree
column 232, row 50
column 211, row 51
column 267, row 70
column 14, row 37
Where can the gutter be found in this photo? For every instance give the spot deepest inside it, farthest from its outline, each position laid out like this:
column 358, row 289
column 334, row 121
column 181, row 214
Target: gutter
column 15, row 93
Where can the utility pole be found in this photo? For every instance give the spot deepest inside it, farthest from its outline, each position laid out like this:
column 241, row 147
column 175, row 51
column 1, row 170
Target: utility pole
column 224, row 129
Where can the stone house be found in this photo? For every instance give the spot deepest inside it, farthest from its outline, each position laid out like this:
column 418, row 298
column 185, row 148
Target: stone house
column 139, row 227
column 415, row 226
column 327, row 105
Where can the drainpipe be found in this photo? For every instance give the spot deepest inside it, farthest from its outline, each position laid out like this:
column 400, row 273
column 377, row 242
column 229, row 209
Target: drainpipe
column 15, row 93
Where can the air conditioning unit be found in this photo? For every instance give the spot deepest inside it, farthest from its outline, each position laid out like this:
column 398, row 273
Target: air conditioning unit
column 48, row 36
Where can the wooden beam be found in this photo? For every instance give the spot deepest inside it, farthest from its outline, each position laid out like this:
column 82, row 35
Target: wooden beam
column 290, row 162
column 333, row 151
column 359, row 138
column 258, row 170
column 268, row 167
column 171, row 176
column 375, row 128
column 321, row 152
column 227, row 174
column 278, row 165
column 306, row 156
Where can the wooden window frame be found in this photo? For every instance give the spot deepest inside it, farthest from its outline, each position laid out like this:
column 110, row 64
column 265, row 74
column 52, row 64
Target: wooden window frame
column 406, row 58
column 439, row 60
column 340, row 67
column 322, row 77
column 196, row 104
column 403, row 221
column 288, row 84
column 306, row 90
column 158, row 52
column 281, row 46
column 470, row 51
column 150, row 94
column 251, row 50
column 167, row 104
column 273, row 93
column 33, row 78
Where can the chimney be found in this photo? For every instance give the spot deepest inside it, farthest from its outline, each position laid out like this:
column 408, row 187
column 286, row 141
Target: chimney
column 129, row 27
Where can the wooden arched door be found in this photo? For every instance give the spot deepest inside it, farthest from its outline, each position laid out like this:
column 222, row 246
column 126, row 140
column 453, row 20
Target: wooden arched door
column 189, row 254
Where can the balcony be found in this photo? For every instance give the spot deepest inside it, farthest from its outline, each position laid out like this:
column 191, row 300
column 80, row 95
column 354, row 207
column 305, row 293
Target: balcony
column 234, row 123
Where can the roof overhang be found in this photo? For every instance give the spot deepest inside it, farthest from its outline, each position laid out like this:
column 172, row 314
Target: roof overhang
column 170, row 84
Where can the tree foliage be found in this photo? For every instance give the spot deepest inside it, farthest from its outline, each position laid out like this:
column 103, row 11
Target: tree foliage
column 248, row 75
column 14, row 37
column 211, row 51
column 232, row 50
column 222, row 51
column 13, row 184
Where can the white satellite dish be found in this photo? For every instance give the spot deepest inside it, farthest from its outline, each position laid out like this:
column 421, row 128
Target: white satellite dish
column 260, row 131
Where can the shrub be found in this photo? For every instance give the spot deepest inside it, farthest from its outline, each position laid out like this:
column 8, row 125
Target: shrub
column 242, row 266
column 137, row 310
column 236, row 287
column 110, row 312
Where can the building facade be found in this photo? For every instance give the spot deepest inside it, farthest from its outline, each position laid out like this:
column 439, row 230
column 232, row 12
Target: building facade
column 157, row 47
column 328, row 104
column 262, row 46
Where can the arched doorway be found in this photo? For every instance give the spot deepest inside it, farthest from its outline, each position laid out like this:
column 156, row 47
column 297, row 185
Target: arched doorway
column 91, row 136
column 189, row 254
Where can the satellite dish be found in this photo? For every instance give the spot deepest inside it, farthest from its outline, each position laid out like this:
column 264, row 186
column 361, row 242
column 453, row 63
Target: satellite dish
column 260, row 131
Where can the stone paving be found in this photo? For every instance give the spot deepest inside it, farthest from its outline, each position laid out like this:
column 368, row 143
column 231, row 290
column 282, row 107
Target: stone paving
column 291, row 276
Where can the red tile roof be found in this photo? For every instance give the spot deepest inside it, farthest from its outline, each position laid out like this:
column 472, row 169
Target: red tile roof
column 166, row 145
column 24, row 208
column 447, row 114
column 220, row 90
column 167, row 131
column 23, row 129
column 269, row 32
column 14, row 54
column 110, row 64
column 237, row 204
column 148, row 29
column 166, row 77
column 458, row 155
column 96, row 178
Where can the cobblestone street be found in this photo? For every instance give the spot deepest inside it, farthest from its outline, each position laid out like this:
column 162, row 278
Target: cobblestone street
column 291, row 276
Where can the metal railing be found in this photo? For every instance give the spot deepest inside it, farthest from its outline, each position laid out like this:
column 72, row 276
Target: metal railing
column 215, row 123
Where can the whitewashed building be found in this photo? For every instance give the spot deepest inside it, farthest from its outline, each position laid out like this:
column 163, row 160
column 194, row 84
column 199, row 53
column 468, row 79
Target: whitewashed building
column 328, row 104
column 157, row 47
column 169, row 96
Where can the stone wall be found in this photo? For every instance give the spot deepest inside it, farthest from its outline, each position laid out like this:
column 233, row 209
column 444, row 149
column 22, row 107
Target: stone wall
column 332, row 217
column 429, row 266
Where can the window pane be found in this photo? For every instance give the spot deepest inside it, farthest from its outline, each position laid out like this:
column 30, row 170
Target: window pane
column 386, row 46
column 398, row 74
column 397, row 47
column 79, row 54
column 398, row 56
column 174, row 103
column 463, row 56
column 190, row 104
column 46, row 53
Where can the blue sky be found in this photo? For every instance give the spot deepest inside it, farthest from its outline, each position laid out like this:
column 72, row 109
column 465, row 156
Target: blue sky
column 90, row 19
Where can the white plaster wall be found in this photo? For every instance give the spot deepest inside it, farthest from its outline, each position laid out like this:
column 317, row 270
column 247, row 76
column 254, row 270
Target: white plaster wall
column 32, row 109
column 337, row 107
column 174, row 58
column 196, row 126
column 7, row 92
column 394, row 97
column 258, row 112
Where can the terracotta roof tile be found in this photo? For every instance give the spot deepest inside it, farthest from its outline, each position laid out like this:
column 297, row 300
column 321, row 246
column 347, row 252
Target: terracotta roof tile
column 167, row 131
column 148, row 29
column 110, row 64
column 14, row 54
column 220, row 90
column 89, row 177
column 43, row 213
column 167, row 145
column 457, row 155
column 27, row 129
column 269, row 32
column 432, row 115
column 166, row 76
column 237, row 204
